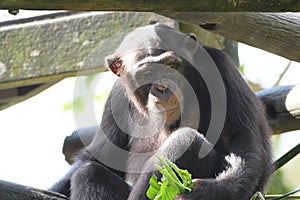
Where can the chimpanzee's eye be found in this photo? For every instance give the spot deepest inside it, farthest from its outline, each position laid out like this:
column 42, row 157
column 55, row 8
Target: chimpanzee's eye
column 115, row 66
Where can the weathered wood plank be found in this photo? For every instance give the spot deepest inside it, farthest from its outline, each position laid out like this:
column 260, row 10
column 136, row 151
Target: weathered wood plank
column 43, row 51
column 158, row 5
column 12, row 191
column 278, row 33
column 207, row 38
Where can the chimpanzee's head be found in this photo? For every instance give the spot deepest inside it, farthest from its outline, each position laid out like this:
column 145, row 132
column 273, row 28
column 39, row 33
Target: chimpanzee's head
column 155, row 76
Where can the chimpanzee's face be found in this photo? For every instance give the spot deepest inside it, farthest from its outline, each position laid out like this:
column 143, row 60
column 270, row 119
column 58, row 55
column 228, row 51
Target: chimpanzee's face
column 152, row 65
column 152, row 79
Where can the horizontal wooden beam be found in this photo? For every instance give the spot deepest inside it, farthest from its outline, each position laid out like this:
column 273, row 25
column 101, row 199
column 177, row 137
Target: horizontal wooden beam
column 50, row 49
column 278, row 33
column 42, row 50
column 157, row 5
column 12, row 96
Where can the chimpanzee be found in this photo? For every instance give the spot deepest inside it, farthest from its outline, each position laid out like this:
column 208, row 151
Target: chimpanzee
column 181, row 101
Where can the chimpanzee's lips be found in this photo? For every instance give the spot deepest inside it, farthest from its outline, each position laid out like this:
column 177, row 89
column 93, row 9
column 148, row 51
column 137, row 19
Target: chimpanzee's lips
column 171, row 110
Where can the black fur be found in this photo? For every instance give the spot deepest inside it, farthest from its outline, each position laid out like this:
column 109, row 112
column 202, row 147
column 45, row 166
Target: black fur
column 237, row 167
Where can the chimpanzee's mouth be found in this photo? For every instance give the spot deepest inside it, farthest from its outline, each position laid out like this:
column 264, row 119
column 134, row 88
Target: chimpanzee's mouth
column 170, row 110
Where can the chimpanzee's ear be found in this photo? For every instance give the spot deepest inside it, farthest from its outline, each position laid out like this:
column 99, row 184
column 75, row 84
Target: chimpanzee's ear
column 108, row 60
column 193, row 36
column 114, row 64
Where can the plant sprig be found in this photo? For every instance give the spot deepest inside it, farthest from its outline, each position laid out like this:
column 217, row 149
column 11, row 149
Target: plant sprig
column 170, row 185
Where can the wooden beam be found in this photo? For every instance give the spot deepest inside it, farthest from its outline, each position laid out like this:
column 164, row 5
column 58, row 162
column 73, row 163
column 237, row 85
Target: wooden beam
column 46, row 50
column 12, row 191
column 157, row 5
column 283, row 107
column 278, row 33
column 12, row 96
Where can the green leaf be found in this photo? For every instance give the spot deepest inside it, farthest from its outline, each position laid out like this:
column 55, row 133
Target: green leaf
column 185, row 176
column 169, row 170
column 170, row 185
column 153, row 188
column 167, row 192
column 169, row 176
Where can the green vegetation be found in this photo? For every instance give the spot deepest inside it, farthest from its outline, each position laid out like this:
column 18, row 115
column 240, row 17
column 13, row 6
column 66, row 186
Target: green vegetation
column 170, row 184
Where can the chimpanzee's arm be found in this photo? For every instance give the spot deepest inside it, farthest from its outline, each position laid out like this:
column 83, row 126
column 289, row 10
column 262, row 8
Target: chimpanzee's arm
column 240, row 181
column 182, row 147
column 96, row 172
